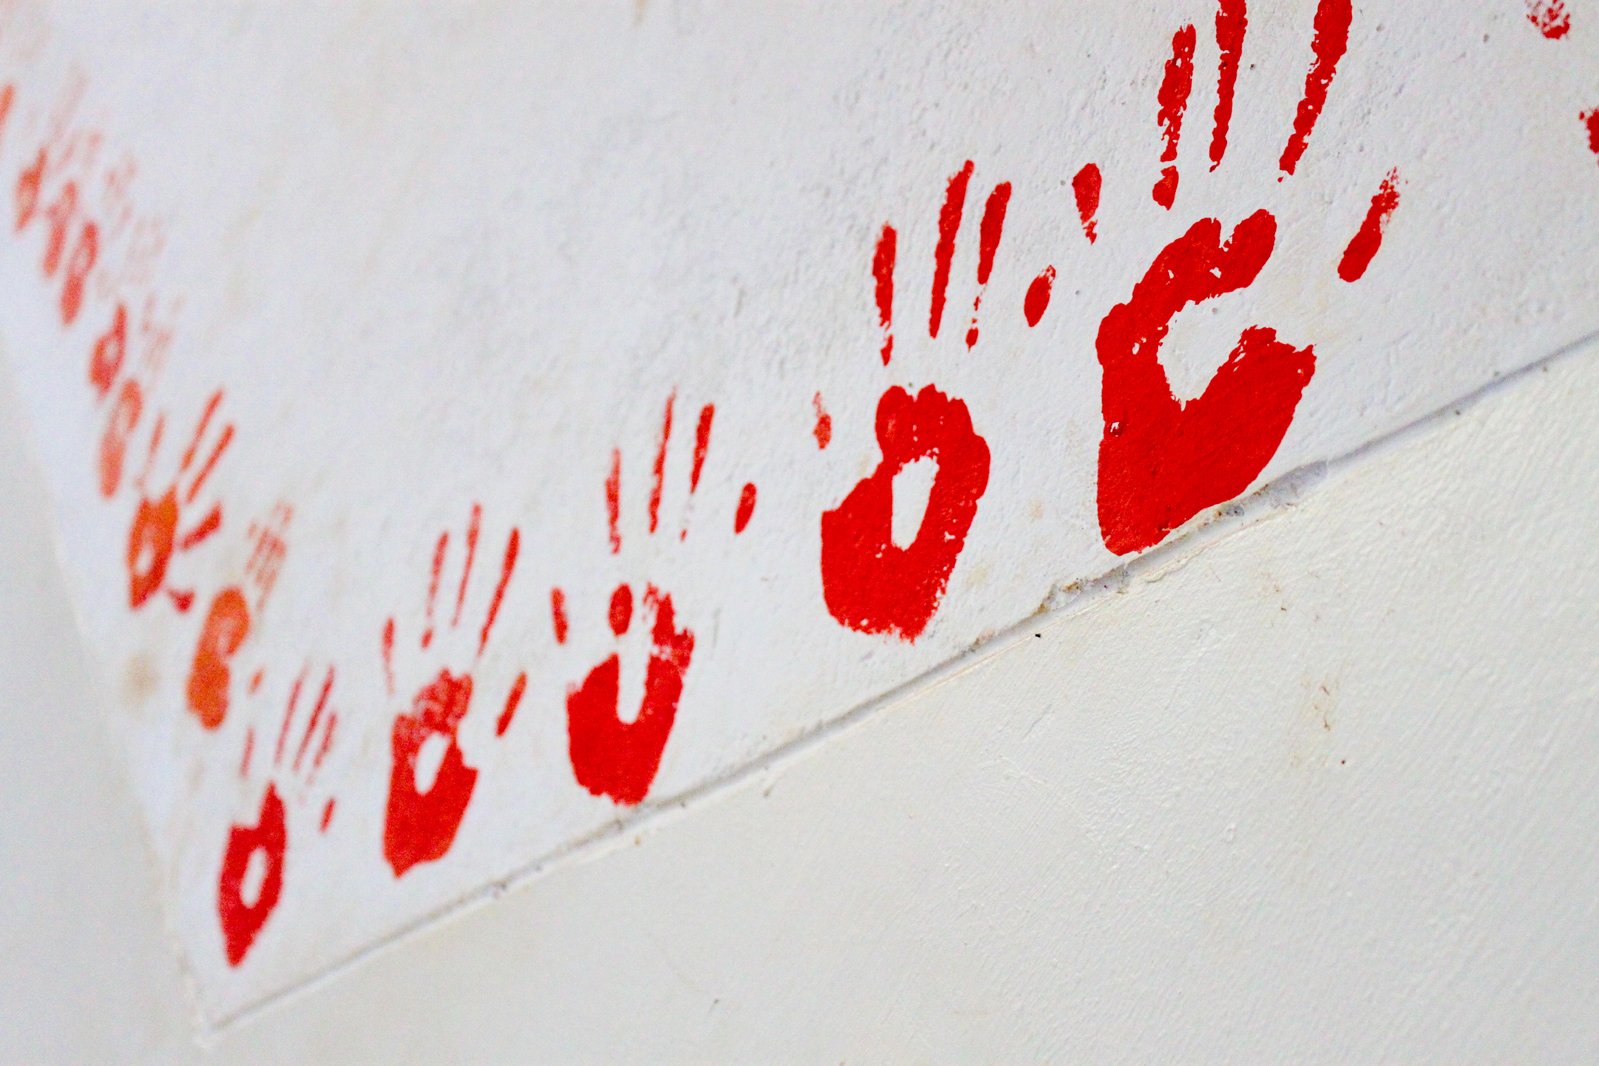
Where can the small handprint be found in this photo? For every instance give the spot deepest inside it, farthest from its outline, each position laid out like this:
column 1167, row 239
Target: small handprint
column 153, row 537
column 73, row 240
column 251, row 878
column 430, row 783
column 151, row 336
column 871, row 581
column 1550, row 17
column 229, row 618
column 611, row 756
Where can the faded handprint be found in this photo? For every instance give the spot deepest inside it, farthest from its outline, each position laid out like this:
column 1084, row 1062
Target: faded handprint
column 153, row 537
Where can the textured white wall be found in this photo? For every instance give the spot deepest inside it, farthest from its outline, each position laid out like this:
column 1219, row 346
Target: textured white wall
column 1307, row 778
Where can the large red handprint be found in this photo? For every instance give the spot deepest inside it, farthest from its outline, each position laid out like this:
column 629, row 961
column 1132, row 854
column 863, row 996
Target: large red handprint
column 870, row 583
column 1161, row 460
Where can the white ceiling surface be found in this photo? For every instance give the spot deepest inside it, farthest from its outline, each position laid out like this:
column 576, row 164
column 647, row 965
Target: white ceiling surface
column 1324, row 790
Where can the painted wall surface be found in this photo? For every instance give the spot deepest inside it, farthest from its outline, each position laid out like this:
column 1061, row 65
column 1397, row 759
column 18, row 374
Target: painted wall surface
column 470, row 430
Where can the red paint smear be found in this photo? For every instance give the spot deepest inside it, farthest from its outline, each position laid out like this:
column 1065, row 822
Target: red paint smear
column 1162, row 461
column 1232, row 22
column 316, row 719
column 621, row 609
column 620, row 759
column 824, row 423
column 6, row 94
column 1330, row 42
column 870, row 584
column 513, row 545
column 746, row 508
column 883, row 274
column 660, row 463
column 255, row 681
column 949, row 224
column 558, row 614
column 1363, row 248
column 388, row 654
column 1085, row 186
column 1550, row 17
column 1175, row 88
column 182, row 600
column 327, row 742
column 1590, row 119
column 702, row 443
column 226, row 625
column 613, row 500
column 109, row 351
column 208, row 525
column 1038, row 293
column 327, row 815
column 288, row 715
column 249, row 749
column 114, row 441
column 420, row 826
column 472, row 526
column 434, row 571
column 512, row 699
column 241, row 923
column 990, row 231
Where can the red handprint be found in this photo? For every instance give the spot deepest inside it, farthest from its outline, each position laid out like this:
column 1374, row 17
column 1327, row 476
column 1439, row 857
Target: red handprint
column 251, row 879
column 241, row 911
column 1550, row 17
column 1161, row 460
column 153, row 538
column 67, row 230
column 612, row 756
column 871, row 583
column 424, row 814
column 228, row 620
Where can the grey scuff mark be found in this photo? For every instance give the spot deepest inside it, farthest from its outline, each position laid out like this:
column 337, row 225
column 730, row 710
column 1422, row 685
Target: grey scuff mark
column 1064, row 601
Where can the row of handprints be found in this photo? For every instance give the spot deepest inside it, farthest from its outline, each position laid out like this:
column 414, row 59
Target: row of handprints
column 1161, row 462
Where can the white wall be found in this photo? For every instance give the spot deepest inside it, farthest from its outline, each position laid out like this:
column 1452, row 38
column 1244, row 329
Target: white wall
column 1307, row 778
